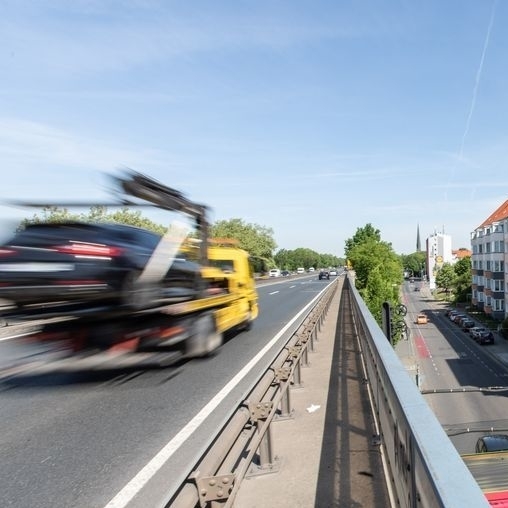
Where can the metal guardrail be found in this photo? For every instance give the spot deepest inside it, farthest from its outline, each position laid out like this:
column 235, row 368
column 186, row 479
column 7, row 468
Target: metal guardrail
column 243, row 447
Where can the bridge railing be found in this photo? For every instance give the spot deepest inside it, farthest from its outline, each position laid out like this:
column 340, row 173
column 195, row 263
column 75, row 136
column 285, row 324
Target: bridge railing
column 424, row 467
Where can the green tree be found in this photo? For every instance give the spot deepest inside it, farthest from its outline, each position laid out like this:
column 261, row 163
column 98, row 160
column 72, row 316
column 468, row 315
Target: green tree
column 368, row 232
column 255, row 239
column 95, row 214
column 446, row 277
column 414, row 263
column 462, row 284
column 378, row 271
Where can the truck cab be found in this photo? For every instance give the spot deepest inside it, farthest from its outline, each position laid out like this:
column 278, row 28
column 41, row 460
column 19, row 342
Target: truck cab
column 235, row 267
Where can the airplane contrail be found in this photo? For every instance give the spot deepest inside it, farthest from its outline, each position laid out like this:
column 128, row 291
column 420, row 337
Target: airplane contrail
column 477, row 81
column 475, row 93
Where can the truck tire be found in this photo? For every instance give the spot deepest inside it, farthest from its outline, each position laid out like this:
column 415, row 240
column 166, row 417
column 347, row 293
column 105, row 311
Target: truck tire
column 247, row 324
column 204, row 337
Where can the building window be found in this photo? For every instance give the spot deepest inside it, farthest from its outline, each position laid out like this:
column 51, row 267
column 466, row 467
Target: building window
column 499, row 246
column 498, row 266
column 497, row 285
column 498, row 304
column 488, row 268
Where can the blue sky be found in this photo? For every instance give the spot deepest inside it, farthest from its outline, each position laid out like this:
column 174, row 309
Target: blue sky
column 312, row 118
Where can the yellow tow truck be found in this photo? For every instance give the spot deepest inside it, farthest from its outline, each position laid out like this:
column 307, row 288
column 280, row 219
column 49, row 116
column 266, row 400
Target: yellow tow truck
column 227, row 300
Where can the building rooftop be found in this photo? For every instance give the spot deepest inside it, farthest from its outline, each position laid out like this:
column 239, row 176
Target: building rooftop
column 499, row 214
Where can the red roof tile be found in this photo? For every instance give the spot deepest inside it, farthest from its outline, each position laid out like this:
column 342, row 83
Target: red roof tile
column 461, row 253
column 500, row 214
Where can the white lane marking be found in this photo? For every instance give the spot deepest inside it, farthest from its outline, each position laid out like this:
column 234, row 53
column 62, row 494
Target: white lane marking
column 125, row 496
column 10, row 337
column 273, row 293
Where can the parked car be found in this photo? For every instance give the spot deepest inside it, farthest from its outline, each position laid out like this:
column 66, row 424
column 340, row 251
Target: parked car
column 456, row 318
column 492, row 443
column 421, row 319
column 475, row 331
column 285, row 273
column 467, row 323
column 323, row 274
column 73, row 262
column 485, row 337
column 274, row 272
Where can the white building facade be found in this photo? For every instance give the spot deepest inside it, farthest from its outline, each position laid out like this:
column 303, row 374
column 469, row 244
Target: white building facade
column 439, row 252
column 489, row 266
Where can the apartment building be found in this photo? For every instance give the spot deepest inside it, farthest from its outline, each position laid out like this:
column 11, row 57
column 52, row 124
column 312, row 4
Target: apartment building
column 439, row 252
column 489, row 266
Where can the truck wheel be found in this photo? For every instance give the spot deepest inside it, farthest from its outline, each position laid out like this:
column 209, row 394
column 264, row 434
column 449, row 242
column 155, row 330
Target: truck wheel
column 247, row 324
column 204, row 338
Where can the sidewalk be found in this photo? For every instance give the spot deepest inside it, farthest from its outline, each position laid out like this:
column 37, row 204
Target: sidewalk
column 327, row 457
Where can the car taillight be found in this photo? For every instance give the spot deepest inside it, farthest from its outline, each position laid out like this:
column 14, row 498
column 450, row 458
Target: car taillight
column 7, row 252
column 89, row 250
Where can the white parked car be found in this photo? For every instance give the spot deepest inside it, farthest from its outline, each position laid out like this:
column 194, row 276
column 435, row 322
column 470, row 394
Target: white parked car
column 274, row 272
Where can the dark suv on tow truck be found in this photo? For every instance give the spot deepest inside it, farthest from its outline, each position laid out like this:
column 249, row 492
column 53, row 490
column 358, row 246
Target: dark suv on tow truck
column 85, row 263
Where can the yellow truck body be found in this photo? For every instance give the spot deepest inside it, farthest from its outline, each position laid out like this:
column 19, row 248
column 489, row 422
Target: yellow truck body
column 233, row 265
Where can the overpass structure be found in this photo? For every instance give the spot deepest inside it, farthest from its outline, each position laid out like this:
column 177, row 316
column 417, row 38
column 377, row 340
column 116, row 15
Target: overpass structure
column 360, row 432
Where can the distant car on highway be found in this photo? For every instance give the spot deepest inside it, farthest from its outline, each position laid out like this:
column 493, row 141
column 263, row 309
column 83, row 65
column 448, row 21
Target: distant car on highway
column 333, row 272
column 324, row 274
